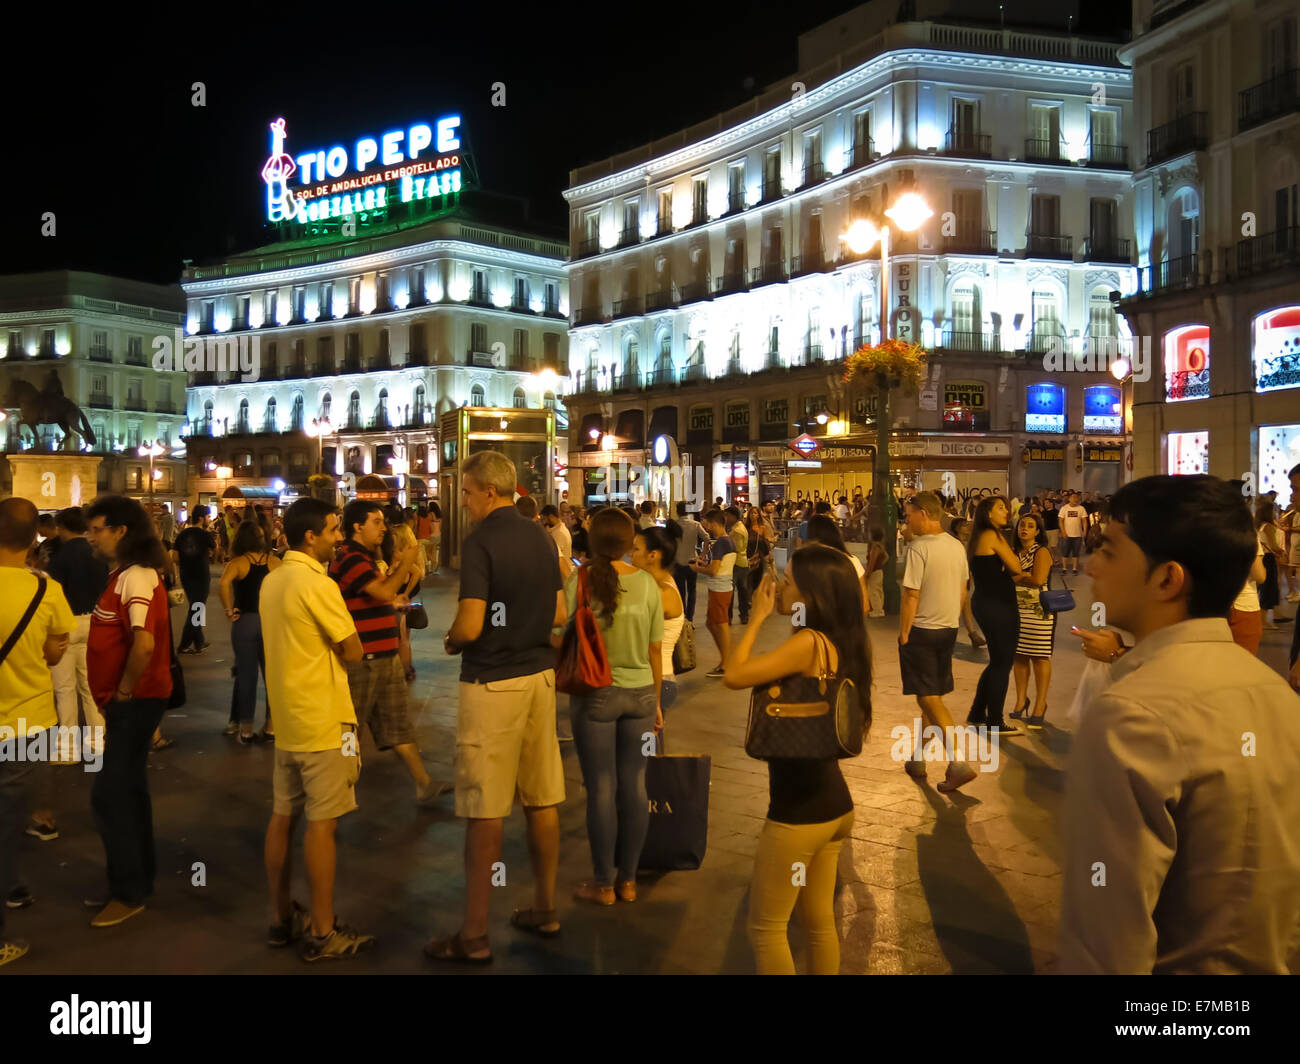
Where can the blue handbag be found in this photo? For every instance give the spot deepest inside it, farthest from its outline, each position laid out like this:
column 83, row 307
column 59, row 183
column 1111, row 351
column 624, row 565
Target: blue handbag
column 1056, row 601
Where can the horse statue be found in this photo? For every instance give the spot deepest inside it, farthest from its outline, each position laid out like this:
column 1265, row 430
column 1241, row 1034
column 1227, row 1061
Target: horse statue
column 49, row 407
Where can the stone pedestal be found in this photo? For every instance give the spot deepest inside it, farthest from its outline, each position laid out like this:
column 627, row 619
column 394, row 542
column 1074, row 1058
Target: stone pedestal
column 55, row 481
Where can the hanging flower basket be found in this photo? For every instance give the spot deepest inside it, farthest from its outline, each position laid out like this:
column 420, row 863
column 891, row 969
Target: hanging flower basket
column 893, row 363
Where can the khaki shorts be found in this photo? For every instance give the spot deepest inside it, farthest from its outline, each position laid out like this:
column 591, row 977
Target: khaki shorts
column 506, row 745
column 322, row 781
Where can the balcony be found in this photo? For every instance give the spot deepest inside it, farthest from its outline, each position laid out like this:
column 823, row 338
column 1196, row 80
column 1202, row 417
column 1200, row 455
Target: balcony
column 661, row 300
column 979, row 342
column 1044, row 341
column 589, row 315
column 378, row 423
column 1184, row 384
column 241, row 428
column 693, row 292
column 699, row 215
column 551, row 309
column 772, row 360
column 100, row 402
column 1049, row 246
column 269, row 426
column 1268, row 251
column 730, row 283
column 134, row 358
column 1184, row 134
column 478, row 358
column 100, row 354
column 480, row 297
column 771, row 190
column 694, row 371
column 626, row 308
column 519, row 304
column 161, row 407
column 272, row 470
column 627, row 382
column 417, row 358
column 1108, row 249
column 1269, row 99
column 586, row 383
column 972, row 242
column 802, row 265
column 810, row 355
column 735, row 367
column 135, row 403
column 295, row 371
column 860, row 154
column 1038, row 150
column 768, row 273
column 735, row 201
column 351, row 364
column 813, row 174
column 659, row 378
column 1112, row 156
column 1177, row 273
column 628, row 236
column 968, row 144
column 380, row 362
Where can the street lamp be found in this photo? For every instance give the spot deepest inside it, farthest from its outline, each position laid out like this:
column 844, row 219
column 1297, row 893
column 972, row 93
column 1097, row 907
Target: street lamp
column 320, row 427
column 152, row 449
column 908, row 214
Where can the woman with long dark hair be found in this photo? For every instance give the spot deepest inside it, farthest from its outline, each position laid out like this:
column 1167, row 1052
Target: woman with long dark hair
column 1037, row 625
column 759, row 550
column 810, row 810
column 653, row 550
column 608, row 724
column 241, row 585
column 823, row 529
column 996, row 571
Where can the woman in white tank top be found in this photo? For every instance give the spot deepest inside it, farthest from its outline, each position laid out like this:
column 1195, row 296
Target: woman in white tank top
column 654, row 550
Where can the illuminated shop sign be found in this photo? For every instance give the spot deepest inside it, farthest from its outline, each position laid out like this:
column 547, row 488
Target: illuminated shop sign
column 361, row 182
column 1045, row 408
column 1102, row 409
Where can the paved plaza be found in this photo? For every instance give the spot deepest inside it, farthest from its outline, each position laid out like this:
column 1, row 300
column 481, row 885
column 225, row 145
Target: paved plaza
column 929, row 883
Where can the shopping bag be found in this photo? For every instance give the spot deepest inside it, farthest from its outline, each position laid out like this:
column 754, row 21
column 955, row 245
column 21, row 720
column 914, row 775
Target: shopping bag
column 677, row 788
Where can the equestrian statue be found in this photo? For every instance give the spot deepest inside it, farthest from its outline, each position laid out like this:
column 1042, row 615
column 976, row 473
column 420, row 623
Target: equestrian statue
column 49, row 407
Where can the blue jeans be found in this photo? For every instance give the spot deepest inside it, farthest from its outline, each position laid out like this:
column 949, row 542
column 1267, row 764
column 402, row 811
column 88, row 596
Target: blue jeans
column 246, row 638
column 609, row 730
column 684, row 576
column 740, row 583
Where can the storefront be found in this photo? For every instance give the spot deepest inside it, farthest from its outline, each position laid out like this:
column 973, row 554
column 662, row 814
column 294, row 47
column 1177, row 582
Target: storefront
column 834, row 469
column 964, row 466
column 1102, row 462
column 1044, row 462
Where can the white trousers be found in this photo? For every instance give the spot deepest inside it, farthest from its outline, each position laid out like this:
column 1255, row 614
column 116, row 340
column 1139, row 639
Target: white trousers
column 72, row 686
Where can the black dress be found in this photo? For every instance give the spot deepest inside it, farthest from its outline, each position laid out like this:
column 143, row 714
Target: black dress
column 994, row 606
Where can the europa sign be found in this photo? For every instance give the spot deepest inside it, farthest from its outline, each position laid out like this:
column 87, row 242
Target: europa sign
column 403, row 165
column 805, row 445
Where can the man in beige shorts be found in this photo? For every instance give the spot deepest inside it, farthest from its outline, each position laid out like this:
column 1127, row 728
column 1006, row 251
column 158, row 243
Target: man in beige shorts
column 510, row 599
column 309, row 635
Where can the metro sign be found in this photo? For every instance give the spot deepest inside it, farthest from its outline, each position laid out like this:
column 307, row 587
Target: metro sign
column 805, row 445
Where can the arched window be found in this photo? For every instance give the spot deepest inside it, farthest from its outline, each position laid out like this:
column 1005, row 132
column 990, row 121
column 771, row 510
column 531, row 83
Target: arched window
column 381, row 411
column 354, row 410
column 1102, row 319
column 548, row 400
column 967, row 330
column 241, row 423
column 1047, row 329
column 418, row 414
column 631, row 360
column 270, row 419
column 295, row 414
column 521, row 400
column 325, row 407
column 207, row 412
column 476, row 395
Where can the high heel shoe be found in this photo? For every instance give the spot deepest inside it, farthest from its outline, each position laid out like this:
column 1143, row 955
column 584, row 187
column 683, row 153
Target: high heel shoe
column 1020, row 714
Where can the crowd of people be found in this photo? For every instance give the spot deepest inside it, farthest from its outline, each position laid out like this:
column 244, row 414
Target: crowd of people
column 322, row 602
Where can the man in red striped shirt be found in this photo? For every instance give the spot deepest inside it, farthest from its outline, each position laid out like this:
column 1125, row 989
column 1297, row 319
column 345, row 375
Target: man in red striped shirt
column 378, row 681
column 128, row 665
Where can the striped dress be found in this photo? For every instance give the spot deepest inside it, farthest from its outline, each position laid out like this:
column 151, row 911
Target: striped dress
column 1037, row 626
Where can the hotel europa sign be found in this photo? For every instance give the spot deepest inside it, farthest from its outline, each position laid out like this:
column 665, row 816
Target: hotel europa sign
column 360, row 181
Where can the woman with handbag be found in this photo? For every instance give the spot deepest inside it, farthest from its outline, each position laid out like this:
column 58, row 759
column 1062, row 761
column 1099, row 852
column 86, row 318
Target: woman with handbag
column 609, row 723
column 996, row 571
column 810, row 810
column 1037, row 625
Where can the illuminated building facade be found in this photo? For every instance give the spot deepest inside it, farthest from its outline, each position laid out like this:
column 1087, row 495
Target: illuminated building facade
column 1217, row 87
column 379, row 308
column 714, row 297
column 96, row 335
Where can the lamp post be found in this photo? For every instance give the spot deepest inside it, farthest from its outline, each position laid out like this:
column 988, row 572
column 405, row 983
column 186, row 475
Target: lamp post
column 152, row 450
column 908, row 213
column 224, row 473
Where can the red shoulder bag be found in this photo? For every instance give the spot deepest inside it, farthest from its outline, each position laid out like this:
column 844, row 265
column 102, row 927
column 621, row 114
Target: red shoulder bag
column 584, row 665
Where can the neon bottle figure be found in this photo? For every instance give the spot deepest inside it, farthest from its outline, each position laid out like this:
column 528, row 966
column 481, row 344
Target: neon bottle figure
column 280, row 204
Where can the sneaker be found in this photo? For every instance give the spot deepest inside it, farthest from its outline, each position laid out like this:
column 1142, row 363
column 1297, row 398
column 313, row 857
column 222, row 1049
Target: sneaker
column 717, row 673
column 11, row 950
column 114, row 913
column 1005, row 730
column 340, row 944
column 19, row 898
column 44, row 832
column 291, row 930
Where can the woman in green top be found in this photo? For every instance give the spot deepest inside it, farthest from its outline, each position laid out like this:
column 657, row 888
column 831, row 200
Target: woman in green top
column 609, row 725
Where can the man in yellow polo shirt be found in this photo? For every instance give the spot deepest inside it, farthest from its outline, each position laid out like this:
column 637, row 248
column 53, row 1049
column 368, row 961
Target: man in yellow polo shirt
column 35, row 622
column 308, row 634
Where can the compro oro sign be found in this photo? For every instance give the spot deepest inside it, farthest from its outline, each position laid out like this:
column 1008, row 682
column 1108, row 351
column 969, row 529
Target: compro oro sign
column 360, row 180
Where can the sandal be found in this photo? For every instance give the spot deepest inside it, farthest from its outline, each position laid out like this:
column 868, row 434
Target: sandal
column 162, row 743
column 455, row 948
column 534, row 921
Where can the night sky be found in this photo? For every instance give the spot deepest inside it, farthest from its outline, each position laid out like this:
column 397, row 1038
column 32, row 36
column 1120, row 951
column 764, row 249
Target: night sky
column 100, row 129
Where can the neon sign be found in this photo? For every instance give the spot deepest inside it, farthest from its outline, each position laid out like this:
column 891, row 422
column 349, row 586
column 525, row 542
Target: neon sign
column 410, row 165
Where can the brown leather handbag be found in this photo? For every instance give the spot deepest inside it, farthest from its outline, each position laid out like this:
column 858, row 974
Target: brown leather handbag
column 805, row 717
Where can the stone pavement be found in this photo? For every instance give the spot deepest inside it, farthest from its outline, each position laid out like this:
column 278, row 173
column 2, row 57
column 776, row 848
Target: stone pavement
column 929, row 883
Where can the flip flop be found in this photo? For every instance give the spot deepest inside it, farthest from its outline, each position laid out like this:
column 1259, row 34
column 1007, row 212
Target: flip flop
column 457, row 949
column 532, row 921
column 162, row 744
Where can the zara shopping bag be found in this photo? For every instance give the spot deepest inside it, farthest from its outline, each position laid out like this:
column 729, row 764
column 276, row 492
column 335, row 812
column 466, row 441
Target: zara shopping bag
column 678, row 791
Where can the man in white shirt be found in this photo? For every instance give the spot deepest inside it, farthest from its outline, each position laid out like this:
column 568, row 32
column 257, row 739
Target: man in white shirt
column 934, row 592
column 1074, row 522
column 1181, row 823
column 554, row 526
